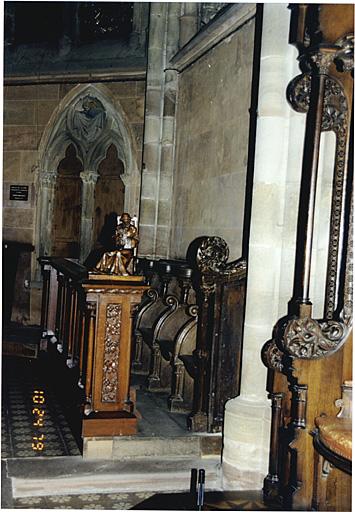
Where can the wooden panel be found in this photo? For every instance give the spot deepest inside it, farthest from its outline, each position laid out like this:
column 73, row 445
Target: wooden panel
column 109, row 424
column 109, row 189
column 67, row 207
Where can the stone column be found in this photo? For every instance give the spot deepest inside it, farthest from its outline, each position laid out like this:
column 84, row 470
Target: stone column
column 89, row 179
column 47, row 190
column 156, row 192
column 271, row 251
column 139, row 25
column 188, row 22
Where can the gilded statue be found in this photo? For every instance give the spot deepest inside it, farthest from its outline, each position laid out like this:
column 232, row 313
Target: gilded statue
column 116, row 249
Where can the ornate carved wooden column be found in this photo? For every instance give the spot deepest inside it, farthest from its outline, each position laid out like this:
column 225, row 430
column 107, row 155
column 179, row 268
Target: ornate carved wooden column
column 306, row 355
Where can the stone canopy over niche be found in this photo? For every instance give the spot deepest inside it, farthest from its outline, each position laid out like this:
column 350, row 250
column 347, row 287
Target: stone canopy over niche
column 89, row 121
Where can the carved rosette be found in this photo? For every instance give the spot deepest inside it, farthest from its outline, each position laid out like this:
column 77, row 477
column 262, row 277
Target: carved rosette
column 111, row 353
column 306, row 338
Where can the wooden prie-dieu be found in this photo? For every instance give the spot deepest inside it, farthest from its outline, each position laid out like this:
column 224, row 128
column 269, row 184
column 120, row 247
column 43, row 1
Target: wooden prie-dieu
column 88, row 316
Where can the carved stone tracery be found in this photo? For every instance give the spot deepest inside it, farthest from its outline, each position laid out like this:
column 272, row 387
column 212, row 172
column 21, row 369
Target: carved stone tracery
column 111, row 353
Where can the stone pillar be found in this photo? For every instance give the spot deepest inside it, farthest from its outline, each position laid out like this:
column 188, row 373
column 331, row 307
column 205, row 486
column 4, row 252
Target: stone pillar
column 139, row 25
column 47, row 193
column 188, row 22
column 271, row 251
column 156, row 192
column 89, row 179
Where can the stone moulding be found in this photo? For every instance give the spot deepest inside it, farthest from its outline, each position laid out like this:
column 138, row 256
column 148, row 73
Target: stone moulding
column 220, row 28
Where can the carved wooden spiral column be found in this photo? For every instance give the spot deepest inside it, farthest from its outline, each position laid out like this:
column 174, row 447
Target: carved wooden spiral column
column 306, row 356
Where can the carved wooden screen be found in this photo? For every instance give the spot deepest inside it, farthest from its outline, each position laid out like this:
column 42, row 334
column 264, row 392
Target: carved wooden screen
column 67, row 207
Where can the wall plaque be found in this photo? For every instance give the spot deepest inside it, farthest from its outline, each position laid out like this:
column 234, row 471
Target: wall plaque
column 19, row 192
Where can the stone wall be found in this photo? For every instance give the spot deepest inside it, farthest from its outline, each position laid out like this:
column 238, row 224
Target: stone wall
column 27, row 112
column 212, row 126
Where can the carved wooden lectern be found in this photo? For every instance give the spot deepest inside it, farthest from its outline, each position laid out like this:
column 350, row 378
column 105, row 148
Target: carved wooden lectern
column 109, row 409
column 93, row 326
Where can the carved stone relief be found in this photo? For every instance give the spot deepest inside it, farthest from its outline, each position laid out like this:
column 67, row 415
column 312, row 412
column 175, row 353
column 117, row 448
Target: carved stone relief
column 86, row 120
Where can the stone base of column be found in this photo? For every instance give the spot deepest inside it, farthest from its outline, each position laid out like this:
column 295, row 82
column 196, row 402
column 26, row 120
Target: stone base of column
column 246, row 443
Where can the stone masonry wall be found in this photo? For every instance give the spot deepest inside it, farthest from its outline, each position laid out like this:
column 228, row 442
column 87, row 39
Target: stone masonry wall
column 212, row 126
column 27, row 111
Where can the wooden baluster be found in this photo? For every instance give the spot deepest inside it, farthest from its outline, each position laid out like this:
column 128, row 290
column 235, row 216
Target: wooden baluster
column 66, row 317
column 272, row 480
column 46, row 273
column 91, row 311
column 71, row 323
column 198, row 420
column 76, row 331
column 60, row 309
column 82, row 365
column 295, row 489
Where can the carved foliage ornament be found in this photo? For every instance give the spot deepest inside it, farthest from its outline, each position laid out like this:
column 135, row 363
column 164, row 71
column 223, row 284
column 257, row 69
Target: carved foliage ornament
column 344, row 58
column 306, row 338
column 272, row 356
column 212, row 254
column 335, row 106
column 111, row 353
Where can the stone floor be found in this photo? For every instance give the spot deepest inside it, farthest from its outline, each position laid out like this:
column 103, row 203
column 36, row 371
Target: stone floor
column 42, row 466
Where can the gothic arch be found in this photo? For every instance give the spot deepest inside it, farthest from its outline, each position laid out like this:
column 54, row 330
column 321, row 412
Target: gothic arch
column 90, row 118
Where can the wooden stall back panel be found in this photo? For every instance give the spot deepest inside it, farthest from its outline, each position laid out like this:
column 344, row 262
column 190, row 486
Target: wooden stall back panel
column 348, row 359
column 67, row 214
column 109, row 189
column 227, row 351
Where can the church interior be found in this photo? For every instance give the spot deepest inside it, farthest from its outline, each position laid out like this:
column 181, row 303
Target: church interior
column 177, row 256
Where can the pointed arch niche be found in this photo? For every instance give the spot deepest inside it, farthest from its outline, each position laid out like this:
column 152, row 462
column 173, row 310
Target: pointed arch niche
column 90, row 127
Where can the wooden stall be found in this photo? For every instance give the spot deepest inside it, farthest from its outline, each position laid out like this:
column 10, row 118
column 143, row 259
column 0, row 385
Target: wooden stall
column 309, row 359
